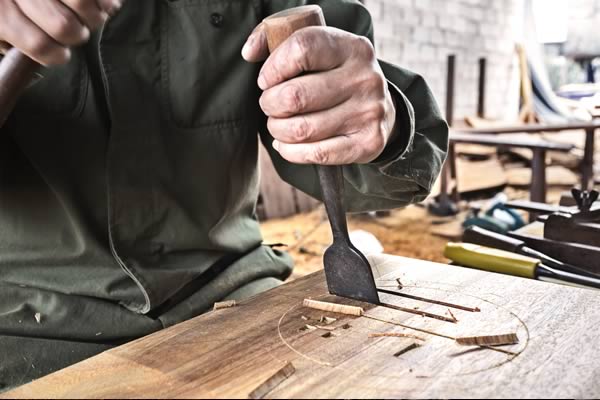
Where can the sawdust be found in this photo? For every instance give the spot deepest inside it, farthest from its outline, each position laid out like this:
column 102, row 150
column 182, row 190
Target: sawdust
column 405, row 232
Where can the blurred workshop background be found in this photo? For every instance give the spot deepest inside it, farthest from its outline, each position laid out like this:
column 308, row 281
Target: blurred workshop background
column 506, row 67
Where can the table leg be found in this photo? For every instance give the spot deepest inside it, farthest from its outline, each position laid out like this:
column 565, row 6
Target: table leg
column 453, row 172
column 587, row 165
column 538, row 176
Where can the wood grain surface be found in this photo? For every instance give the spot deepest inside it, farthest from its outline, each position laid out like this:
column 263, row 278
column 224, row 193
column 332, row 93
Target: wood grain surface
column 232, row 352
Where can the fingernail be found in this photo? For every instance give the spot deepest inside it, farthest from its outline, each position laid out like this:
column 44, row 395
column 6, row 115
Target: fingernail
column 262, row 82
column 85, row 33
column 248, row 46
column 116, row 6
column 68, row 54
column 276, row 145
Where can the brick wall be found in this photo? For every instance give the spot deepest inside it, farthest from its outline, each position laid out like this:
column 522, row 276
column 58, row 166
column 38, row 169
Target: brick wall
column 420, row 34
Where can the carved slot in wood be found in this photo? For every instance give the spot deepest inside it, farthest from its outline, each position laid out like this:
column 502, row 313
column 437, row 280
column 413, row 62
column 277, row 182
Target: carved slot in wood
column 408, row 348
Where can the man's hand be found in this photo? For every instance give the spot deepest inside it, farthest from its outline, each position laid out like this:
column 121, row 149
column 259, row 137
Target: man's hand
column 44, row 29
column 325, row 95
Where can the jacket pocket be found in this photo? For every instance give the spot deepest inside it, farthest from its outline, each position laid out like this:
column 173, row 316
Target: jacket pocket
column 205, row 80
column 59, row 91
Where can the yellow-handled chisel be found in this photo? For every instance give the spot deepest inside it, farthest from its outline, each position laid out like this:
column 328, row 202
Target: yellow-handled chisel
column 504, row 262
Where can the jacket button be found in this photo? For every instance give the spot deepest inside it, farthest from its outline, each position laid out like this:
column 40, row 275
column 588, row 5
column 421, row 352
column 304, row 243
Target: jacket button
column 217, row 20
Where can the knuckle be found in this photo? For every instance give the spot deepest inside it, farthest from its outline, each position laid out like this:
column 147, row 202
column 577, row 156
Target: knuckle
column 301, row 44
column 293, row 98
column 78, row 5
column 375, row 83
column 375, row 112
column 62, row 29
column 376, row 142
column 302, row 130
column 364, row 48
column 273, row 72
column 318, row 156
column 38, row 45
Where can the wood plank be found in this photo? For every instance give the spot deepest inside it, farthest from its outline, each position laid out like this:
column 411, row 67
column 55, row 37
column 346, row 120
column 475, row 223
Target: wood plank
column 533, row 128
column 476, row 175
column 556, row 176
column 511, row 140
column 232, row 352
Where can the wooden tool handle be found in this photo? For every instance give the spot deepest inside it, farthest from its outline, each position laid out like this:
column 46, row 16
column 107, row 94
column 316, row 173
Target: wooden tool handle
column 278, row 28
column 16, row 72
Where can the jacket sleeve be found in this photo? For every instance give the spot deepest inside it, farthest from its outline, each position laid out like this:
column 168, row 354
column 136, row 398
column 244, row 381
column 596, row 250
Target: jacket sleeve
column 412, row 160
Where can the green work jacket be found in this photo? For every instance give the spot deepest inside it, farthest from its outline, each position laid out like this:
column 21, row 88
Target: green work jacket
column 129, row 179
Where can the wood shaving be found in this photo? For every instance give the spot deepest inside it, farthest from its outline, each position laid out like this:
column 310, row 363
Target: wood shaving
column 335, row 308
column 224, row 304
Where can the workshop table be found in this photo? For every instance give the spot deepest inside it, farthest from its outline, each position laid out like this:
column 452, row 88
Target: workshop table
column 238, row 352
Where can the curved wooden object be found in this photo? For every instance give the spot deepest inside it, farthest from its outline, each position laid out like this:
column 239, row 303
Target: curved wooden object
column 16, row 72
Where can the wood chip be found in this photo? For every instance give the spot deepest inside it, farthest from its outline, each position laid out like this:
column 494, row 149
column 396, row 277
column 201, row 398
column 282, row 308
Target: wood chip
column 267, row 386
column 304, row 318
column 335, row 308
column 326, row 328
column 495, row 340
column 224, row 304
column 310, row 328
column 327, row 320
column 394, row 334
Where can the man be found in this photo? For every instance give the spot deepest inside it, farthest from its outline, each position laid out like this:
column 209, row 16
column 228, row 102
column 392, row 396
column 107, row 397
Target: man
column 128, row 177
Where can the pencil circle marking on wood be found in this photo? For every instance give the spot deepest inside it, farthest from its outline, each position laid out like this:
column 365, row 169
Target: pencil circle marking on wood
column 355, row 341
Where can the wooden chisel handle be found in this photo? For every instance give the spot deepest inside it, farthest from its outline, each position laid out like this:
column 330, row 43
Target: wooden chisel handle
column 16, row 72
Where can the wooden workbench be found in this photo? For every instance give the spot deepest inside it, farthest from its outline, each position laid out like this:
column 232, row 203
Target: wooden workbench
column 231, row 352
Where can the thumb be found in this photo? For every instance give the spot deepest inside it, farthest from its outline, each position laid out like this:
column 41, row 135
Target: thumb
column 256, row 48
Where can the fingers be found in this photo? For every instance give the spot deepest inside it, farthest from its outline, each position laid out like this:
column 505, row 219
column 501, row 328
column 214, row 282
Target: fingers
column 338, row 150
column 309, row 138
column 256, row 48
column 44, row 29
column 310, row 128
column 91, row 13
column 306, row 94
column 309, row 49
column 56, row 20
column 18, row 30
